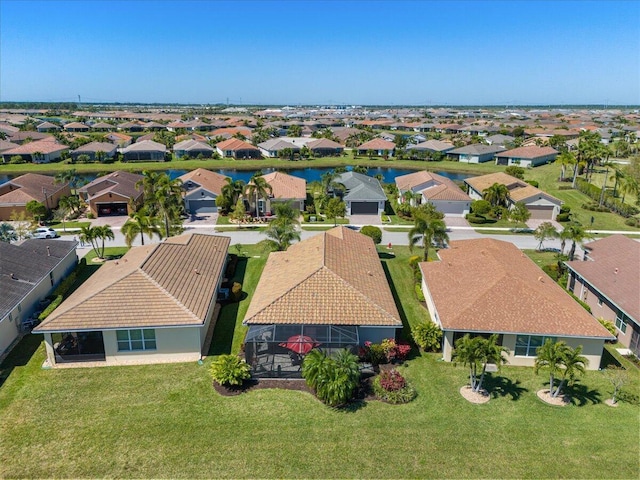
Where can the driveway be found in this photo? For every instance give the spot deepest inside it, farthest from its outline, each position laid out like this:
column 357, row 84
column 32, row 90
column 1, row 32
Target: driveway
column 364, row 219
column 451, row 221
column 534, row 223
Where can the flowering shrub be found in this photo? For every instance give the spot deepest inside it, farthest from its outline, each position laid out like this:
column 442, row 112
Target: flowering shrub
column 392, row 381
column 386, row 352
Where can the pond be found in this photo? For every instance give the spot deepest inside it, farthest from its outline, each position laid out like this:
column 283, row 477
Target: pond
column 309, row 174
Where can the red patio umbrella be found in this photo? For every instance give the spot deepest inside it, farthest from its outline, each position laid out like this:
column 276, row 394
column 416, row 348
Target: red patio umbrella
column 301, row 344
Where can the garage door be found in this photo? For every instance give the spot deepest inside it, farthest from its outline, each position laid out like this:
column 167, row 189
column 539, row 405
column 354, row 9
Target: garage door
column 202, row 206
column 364, row 208
column 110, row 209
column 541, row 211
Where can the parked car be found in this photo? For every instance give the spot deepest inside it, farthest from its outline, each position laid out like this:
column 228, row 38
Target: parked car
column 45, row 232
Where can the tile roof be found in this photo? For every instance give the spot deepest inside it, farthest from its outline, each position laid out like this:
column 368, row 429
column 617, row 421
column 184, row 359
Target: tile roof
column 519, row 190
column 44, row 146
column 334, row 278
column 96, row 147
column 477, row 149
column 488, row 285
column 613, row 269
column 190, row 144
column 29, row 263
column 4, row 145
column 532, row 151
column 276, row 144
column 21, row 136
column 210, row 181
column 377, row 144
column 235, row 144
column 166, row 284
column 439, row 188
column 76, row 125
column 432, row 145
column 323, row 143
column 119, row 182
column 286, row 186
column 145, row 146
column 30, row 186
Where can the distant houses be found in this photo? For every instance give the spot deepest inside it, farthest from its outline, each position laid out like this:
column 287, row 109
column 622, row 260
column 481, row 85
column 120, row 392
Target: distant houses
column 16, row 193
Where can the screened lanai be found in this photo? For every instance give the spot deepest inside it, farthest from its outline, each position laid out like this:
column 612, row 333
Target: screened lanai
column 278, row 350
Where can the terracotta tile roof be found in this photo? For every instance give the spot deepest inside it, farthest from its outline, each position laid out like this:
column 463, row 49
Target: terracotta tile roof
column 235, row 144
column 377, row 144
column 613, row 269
column 21, row 136
column 145, row 146
column 96, row 147
column 231, row 131
column 519, row 190
column 410, row 180
column 76, row 125
column 30, row 186
column 119, row 182
column 286, row 186
column 477, row 149
column 323, row 143
column 166, row 284
column 334, row 278
column 211, row 181
column 532, row 151
column 4, row 145
column 439, row 188
column 432, row 145
column 487, row 285
column 44, row 146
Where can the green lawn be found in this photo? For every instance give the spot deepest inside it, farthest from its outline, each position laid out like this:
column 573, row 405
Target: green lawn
column 167, row 421
column 69, row 224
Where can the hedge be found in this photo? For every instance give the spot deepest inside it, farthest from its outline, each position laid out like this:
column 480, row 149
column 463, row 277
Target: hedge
column 52, row 306
column 611, row 203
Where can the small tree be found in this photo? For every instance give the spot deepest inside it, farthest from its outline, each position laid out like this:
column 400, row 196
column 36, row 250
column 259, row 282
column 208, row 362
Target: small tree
column 374, row 232
column 561, row 361
column 515, row 171
column 545, row 231
column 36, row 209
column 519, row 213
column 467, row 352
column 618, row 377
column 335, row 209
column 230, row 370
column 239, row 212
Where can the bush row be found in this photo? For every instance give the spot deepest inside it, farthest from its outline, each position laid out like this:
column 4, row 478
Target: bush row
column 610, row 202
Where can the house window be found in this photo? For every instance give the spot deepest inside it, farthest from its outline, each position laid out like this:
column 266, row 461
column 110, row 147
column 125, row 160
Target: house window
column 621, row 322
column 599, row 302
column 526, row 345
column 137, row 339
column 51, row 278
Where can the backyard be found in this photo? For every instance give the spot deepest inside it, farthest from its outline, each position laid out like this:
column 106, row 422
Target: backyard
column 168, row 421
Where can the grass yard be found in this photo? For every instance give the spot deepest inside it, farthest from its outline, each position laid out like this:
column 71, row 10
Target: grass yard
column 167, row 420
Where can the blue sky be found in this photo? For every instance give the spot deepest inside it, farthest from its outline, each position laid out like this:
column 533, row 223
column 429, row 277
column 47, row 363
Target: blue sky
column 289, row 52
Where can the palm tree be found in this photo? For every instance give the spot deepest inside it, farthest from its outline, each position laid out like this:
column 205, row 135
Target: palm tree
column 573, row 364
column 7, row 233
column 88, row 236
column 617, row 176
column 314, row 368
column 68, row 176
column 233, row 189
column 629, row 184
column 467, row 351
column 564, row 159
column 140, row 223
column 168, row 202
column 70, row 203
column 577, row 234
column 549, row 357
column 281, row 233
column 490, row 352
column 150, row 182
column 496, row 194
column 259, row 188
column 429, row 229
column 102, row 233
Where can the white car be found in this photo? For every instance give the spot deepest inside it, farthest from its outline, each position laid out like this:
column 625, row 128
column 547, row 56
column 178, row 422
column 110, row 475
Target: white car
column 45, row 232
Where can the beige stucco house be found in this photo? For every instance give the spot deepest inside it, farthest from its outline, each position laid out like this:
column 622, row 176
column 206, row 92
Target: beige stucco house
column 156, row 304
column 486, row 286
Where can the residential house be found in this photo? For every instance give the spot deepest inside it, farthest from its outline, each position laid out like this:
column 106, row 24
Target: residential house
column 238, row 149
column 16, row 193
column 120, row 139
column 274, row 147
column 363, row 195
column 323, row 147
column 131, row 126
column 500, row 140
column 433, row 146
column 193, row 149
column 21, row 137
column 113, row 194
column 4, row 145
column 147, row 150
column 328, row 291
column 46, row 127
column 531, row 156
column 378, row 147
column 539, row 203
column 487, row 286
column 95, row 151
column 201, row 188
column 76, row 127
column 40, row 151
column 28, row 273
column 284, row 188
column 156, row 304
column 608, row 280
column 441, row 191
column 475, row 153
column 102, row 127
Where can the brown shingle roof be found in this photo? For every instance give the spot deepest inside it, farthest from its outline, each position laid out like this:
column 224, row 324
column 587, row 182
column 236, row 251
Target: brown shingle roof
column 122, row 183
column 614, row 270
column 443, row 188
column 532, row 151
column 487, row 285
column 334, row 278
column 519, row 190
column 211, row 181
column 377, row 144
column 286, row 186
column 166, row 284
column 30, row 186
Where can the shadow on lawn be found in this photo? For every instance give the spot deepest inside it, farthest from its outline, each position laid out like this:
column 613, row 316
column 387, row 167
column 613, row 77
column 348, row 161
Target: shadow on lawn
column 406, row 328
column 19, row 356
column 226, row 324
column 500, row 386
column 581, row 395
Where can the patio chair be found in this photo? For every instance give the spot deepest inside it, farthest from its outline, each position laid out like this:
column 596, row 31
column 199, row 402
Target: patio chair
column 296, row 360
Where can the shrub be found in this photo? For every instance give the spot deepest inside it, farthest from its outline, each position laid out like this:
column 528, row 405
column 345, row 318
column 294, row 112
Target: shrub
column 236, row 292
column 374, row 353
column 478, row 219
column 50, row 308
column 565, row 208
column 515, row 171
column 414, row 261
column 65, row 285
column 593, row 192
column 306, row 217
column 230, row 370
column 427, row 335
column 333, row 379
column 608, row 325
column 90, row 216
column 392, row 380
column 374, row 232
column 480, row 207
column 419, row 292
column 594, row 207
column 401, row 395
column 563, row 217
column 632, row 222
column 17, row 159
column 565, row 187
column 533, row 183
column 582, row 304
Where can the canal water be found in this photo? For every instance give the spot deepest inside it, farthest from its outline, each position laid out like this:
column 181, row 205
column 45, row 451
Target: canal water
column 309, row 174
